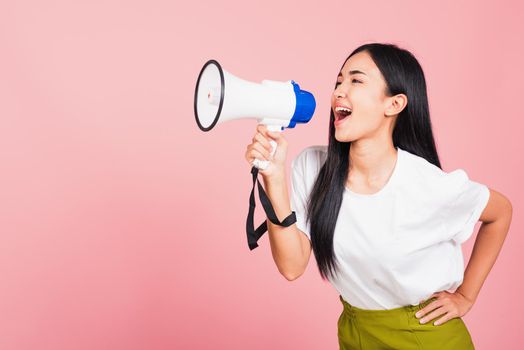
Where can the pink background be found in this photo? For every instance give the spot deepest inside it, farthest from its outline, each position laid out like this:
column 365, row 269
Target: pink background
column 122, row 225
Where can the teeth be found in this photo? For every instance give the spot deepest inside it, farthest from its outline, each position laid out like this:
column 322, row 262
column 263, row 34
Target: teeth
column 338, row 109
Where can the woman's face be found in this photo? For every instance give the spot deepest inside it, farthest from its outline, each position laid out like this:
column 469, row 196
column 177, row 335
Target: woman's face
column 361, row 88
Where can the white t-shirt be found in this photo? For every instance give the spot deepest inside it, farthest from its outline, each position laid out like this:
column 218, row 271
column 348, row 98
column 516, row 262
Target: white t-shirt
column 401, row 244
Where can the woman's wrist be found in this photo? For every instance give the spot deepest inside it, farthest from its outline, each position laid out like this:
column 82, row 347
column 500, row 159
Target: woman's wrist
column 278, row 178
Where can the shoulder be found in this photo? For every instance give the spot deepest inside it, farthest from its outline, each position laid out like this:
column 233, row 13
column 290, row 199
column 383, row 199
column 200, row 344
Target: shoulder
column 426, row 176
column 421, row 166
column 310, row 158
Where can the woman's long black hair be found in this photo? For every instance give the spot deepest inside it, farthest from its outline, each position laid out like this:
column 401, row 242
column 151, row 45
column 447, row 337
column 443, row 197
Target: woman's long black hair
column 412, row 132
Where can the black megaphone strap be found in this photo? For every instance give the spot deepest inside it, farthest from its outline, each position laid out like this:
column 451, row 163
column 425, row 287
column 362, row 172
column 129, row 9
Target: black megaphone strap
column 254, row 235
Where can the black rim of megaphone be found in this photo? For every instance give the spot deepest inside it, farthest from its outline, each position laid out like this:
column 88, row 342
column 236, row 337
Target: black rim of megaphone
column 217, row 117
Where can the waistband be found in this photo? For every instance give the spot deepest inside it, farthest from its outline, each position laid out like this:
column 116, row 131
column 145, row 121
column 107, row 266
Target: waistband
column 353, row 310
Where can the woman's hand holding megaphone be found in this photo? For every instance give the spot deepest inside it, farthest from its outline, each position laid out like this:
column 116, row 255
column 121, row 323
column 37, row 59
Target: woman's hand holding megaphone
column 261, row 149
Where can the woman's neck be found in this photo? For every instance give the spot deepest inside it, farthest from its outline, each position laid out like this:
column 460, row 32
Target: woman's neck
column 371, row 162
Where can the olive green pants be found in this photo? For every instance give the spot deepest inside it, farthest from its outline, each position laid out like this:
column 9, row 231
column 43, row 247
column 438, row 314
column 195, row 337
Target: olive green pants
column 399, row 329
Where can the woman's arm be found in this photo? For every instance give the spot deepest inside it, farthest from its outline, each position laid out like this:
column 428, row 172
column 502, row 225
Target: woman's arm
column 290, row 248
column 496, row 219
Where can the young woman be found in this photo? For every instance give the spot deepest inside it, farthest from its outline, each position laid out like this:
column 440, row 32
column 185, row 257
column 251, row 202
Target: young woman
column 384, row 221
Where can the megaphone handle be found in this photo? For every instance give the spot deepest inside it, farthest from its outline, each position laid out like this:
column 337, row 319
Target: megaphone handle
column 263, row 164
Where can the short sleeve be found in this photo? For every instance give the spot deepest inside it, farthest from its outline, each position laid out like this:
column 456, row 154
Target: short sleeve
column 299, row 194
column 468, row 200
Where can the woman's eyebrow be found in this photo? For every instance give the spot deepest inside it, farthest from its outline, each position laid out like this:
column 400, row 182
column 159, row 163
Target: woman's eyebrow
column 351, row 72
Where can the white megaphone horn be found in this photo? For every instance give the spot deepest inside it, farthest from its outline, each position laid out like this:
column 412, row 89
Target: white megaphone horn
column 220, row 96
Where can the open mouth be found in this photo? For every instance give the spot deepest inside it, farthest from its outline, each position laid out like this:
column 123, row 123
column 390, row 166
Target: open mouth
column 342, row 113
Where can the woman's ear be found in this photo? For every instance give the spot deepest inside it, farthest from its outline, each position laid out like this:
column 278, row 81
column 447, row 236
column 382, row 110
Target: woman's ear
column 396, row 104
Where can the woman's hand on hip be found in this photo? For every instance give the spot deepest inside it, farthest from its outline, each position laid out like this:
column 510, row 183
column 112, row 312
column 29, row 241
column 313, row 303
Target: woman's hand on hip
column 448, row 305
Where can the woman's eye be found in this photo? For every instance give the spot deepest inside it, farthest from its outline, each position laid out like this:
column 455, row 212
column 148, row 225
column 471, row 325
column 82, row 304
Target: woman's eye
column 352, row 80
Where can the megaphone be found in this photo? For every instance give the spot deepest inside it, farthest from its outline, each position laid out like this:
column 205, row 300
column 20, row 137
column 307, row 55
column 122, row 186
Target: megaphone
column 220, row 96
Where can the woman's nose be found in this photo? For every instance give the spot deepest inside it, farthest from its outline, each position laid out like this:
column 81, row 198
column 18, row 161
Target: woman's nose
column 338, row 93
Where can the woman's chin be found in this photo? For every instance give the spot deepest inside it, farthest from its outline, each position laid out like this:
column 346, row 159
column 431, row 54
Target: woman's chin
column 343, row 136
